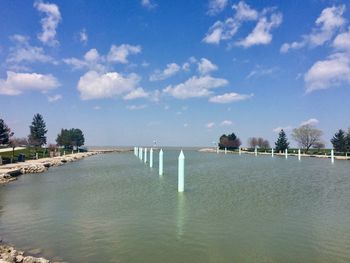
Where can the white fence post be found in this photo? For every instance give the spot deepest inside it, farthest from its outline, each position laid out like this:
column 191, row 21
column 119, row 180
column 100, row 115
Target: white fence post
column 181, row 172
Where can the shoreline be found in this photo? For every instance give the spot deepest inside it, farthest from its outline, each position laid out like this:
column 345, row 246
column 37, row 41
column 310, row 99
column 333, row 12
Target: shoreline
column 10, row 172
column 211, row 150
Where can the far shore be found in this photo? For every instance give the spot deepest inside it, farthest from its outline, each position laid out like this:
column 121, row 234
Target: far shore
column 213, row 150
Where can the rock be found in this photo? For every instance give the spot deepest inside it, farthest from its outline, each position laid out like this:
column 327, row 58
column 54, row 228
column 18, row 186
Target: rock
column 19, row 259
column 30, row 259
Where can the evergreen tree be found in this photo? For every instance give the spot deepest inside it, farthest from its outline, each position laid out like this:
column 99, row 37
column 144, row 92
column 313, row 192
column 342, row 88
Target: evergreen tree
column 231, row 141
column 339, row 141
column 347, row 138
column 70, row 138
column 282, row 143
column 37, row 131
column 5, row 133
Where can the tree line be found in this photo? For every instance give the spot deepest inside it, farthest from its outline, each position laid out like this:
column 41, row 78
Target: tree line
column 307, row 136
column 67, row 138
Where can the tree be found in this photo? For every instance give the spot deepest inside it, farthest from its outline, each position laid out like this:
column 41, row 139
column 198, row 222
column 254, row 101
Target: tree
column 347, row 138
column 282, row 142
column 319, row 145
column 17, row 142
column 70, row 138
column 339, row 141
column 231, row 142
column 37, row 131
column 307, row 136
column 5, row 133
column 265, row 144
column 253, row 142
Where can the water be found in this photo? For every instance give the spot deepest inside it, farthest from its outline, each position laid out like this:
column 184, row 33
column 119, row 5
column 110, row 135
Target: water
column 113, row 208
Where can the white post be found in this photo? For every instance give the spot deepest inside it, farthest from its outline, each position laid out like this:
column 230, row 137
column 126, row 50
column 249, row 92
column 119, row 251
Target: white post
column 36, row 156
column 145, row 160
column 72, row 151
column 217, row 149
column 64, row 153
column 151, row 158
column 299, row 154
column 141, row 154
column 181, row 172
column 225, row 150
column 256, row 151
column 272, row 151
column 286, row 153
column 332, row 156
column 239, row 151
column 137, row 151
column 161, row 162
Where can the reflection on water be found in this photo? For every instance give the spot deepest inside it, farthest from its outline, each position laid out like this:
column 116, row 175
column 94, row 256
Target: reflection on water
column 114, row 208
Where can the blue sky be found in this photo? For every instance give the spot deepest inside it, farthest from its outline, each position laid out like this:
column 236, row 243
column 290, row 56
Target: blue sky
column 179, row 72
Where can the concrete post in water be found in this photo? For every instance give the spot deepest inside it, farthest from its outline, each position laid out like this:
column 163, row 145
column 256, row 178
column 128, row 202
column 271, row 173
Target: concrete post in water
column 181, row 172
column 256, row 151
column 286, row 153
column 145, row 160
column 225, row 150
column 151, row 158
column 141, row 154
column 272, row 151
column 217, row 150
column 239, row 151
column 299, row 154
column 161, row 162
column 332, row 156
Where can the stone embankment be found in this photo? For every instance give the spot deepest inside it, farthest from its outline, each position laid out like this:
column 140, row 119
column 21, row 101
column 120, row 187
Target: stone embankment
column 9, row 172
column 9, row 254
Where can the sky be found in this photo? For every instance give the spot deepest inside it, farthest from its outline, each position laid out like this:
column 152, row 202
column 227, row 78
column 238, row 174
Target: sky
column 179, row 72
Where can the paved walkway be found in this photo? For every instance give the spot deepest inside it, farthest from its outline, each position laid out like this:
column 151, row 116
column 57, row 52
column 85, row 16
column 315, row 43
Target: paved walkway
column 10, row 149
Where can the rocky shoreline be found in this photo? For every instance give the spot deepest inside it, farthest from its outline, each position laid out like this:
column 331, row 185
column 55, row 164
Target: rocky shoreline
column 9, row 172
column 9, row 254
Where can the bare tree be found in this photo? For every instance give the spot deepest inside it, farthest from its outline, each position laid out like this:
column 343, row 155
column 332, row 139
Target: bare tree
column 307, row 136
column 265, row 144
column 252, row 142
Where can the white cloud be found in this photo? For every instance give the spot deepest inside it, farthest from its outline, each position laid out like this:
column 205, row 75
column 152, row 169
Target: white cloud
column 332, row 72
column 261, row 34
column 54, row 98
column 216, row 6
column 342, row 41
column 149, row 4
column 23, row 52
column 92, row 60
column 327, row 24
column 49, row 23
column 225, row 30
column 83, row 36
column 136, row 94
column 261, row 72
column 210, row 125
column 205, row 66
column 136, row 107
column 170, row 70
column 185, row 125
column 286, row 128
column 120, row 53
column 94, row 85
column 16, row 83
column 195, row 87
column 230, row 97
column 226, row 123
column 311, row 121
column 97, row 108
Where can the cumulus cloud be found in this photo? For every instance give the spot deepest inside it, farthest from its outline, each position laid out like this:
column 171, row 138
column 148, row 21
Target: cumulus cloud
column 17, row 83
column 136, row 107
column 210, row 125
column 311, row 121
column 216, row 6
column 195, row 87
column 54, row 98
column 136, row 94
column 92, row 60
column 170, row 70
column 83, row 36
column 331, row 72
column 230, row 97
column 205, row 66
column 149, row 4
column 49, row 22
column 120, row 53
column 23, row 52
column 226, row 123
column 95, row 85
column 342, row 41
column 326, row 25
column 261, row 34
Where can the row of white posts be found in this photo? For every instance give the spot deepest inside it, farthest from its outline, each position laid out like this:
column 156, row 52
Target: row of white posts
column 285, row 153
column 141, row 153
column 273, row 153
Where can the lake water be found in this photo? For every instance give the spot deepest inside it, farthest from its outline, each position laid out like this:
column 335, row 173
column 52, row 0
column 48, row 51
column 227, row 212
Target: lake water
column 113, row 208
